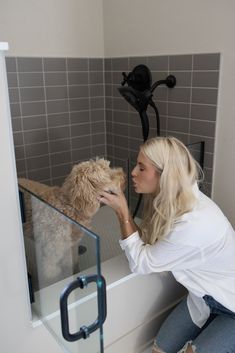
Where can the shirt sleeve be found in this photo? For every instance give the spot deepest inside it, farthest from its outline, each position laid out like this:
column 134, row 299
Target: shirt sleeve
column 164, row 255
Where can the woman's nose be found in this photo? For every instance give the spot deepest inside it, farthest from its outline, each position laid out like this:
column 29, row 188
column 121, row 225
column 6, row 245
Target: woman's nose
column 133, row 173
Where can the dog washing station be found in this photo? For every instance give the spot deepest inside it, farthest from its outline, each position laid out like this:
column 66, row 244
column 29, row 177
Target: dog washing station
column 84, row 292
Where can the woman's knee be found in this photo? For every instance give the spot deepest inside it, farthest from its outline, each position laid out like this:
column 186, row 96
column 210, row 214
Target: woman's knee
column 188, row 348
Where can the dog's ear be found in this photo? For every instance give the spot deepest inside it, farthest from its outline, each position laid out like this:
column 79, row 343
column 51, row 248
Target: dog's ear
column 80, row 191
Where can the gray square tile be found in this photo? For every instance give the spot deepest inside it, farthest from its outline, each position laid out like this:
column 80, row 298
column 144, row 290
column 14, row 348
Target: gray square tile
column 20, row 166
column 12, row 80
column 16, row 124
column 96, row 77
column 78, row 104
column 96, row 64
column 178, row 125
column 107, row 64
column 33, row 108
column 209, row 142
column 98, row 151
column 108, row 77
column 14, row 95
column 117, row 79
column 120, row 129
column 77, row 64
column 55, row 78
column 81, row 155
column 119, row 152
column 179, row 109
column 30, row 79
column 36, row 149
column 79, row 117
column 206, row 61
column 35, row 136
column 180, row 62
column 81, row 142
column 59, row 145
column 59, row 92
column 121, row 117
column 15, row 110
column 208, row 173
column 98, row 139
column 78, row 78
column 157, row 63
column 179, row 95
column 39, row 174
column 78, row 91
column 120, row 64
column 80, row 130
column 120, row 104
column 97, row 103
column 120, row 141
column 183, row 78
column 38, row 162
column 97, row 128
column 202, row 128
column 109, row 90
column 34, row 122
column 32, row 94
column 18, row 138
column 204, row 95
column 29, row 64
column 19, row 152
column 96, row 90
column 58, row 119
column 11, row 64
column 208, row 160
column 203, row 112
column 97, row 115
column 60, row 158
column 57, row 133
column 57, row 106
column 205, row 79
column 54, row 64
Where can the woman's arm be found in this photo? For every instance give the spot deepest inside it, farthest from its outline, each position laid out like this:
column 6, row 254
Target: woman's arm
column 119, row 204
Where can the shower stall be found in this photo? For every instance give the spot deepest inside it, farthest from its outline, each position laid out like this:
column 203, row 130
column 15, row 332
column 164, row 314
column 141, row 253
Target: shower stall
column 63, row 111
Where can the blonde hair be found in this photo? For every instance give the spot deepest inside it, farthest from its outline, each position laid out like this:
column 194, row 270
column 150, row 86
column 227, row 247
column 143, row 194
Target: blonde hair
column 178, row 172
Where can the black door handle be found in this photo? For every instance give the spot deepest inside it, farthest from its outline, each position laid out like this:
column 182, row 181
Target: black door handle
column 84, row 331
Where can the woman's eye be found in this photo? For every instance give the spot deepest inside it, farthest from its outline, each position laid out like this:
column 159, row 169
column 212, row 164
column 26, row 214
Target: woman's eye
column 141, row 169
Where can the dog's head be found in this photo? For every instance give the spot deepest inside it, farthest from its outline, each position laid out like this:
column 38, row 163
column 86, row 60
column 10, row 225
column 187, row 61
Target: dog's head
column 87, row 179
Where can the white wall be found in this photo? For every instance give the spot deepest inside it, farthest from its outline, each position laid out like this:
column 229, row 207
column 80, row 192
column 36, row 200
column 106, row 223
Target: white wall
column 156, row 27
column 53, row 28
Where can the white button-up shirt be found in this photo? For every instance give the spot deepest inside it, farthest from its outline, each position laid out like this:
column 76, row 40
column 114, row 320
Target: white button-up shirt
column 200, row 253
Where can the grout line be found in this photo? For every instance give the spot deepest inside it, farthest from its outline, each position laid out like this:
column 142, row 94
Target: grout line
column 69, row 110
column 47, row 125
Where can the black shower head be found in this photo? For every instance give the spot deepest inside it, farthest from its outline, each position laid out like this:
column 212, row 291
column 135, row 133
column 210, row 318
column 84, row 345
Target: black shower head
column 138, row 100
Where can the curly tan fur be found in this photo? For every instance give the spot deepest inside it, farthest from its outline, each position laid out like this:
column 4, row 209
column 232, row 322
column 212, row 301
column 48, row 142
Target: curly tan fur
column 55, row 239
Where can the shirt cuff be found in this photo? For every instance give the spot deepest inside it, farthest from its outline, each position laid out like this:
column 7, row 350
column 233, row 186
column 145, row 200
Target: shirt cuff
column 131, row 239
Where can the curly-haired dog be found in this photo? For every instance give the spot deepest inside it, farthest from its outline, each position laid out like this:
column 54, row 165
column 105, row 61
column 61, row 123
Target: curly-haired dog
column 51, row 240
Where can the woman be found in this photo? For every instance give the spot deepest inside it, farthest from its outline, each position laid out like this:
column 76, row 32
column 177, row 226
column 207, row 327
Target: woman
column 183, row 231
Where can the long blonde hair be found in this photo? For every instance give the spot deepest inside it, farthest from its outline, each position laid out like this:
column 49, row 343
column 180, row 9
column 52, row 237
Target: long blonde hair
column 178, row 172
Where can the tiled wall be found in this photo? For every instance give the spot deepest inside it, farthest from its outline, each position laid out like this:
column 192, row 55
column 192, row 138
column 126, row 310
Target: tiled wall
column 57, row 108
column 188, row 111
column 65, row 110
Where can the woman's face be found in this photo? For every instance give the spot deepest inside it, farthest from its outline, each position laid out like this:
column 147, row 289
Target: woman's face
column 145, row 177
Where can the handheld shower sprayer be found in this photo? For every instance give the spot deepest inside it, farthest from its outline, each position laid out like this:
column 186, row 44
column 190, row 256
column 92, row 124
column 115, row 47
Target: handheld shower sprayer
column 139, row 93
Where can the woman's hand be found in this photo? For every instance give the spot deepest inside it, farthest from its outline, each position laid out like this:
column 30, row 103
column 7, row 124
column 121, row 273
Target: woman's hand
column 117, row 201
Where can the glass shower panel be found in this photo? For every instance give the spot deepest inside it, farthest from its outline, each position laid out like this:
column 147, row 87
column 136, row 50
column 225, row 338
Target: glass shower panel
column 65, row 282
